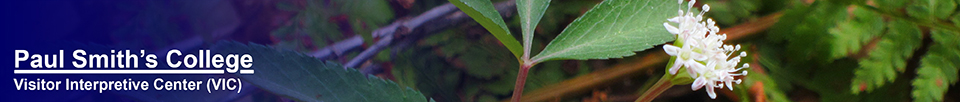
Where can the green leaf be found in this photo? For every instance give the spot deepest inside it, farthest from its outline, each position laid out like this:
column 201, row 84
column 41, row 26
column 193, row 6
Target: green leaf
column 420, row 70
column 804, row 30
column 956, row 19
column 305, row 78
column 734, row 11
column 938, row 69
column 486, row 62
column 366, row 15
column 481, row 57
column 613, row 29
column 360, row 29
column 530, row 13
column 830, row 80
column 319, row 22
column 889, row 58
column 484, row 13
column 931, row 9
column 375, row 12
column 503, row 86
column 855, row 32
column 891, row 4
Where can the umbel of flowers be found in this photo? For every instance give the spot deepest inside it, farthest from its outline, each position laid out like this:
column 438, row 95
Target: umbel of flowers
column 701, row 52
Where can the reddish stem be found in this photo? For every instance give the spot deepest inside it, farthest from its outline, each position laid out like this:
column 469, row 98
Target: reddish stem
column 662, row 85
column 521, row 80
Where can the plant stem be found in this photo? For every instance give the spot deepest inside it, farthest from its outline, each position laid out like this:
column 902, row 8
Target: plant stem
column 521, row 80
column 662, row 85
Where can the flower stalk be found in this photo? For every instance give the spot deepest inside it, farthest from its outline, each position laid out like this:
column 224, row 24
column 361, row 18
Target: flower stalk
column 662, row 85
column 521, row 80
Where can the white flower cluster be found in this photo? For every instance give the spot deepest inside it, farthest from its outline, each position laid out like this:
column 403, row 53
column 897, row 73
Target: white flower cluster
column 702, row 51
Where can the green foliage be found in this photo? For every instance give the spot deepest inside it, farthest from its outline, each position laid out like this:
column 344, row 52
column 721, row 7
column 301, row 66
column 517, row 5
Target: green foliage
column 731, row 12
column 956, row 19
column 891, row 4
column 931, row 10
column 530, row 13
column 375, row 12
column 479, row 57
column 305, row 78
column 888, row 58
column 321, row 22
column 612, row 29
column 848, row 36
column 831, row 80
column 938, row 68
column 805, row 32
column 771, row 57
column 423, row 73
column 484, row 13
column 365, row 15
column 865, row 52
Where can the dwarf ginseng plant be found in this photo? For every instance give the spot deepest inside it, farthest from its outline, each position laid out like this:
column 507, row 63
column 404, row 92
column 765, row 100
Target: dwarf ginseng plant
column 611, row 29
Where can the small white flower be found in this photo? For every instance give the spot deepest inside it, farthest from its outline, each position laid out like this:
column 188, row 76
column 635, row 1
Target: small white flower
column 702, row 45
column 686, row 56
column 720, row 72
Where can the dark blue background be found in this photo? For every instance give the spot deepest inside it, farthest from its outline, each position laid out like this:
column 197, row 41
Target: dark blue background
column 42, row 26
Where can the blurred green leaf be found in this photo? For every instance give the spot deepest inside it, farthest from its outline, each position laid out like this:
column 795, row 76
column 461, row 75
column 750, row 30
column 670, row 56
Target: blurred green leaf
column 732, row 12
column 305, row 78
column 359, row 26
column 931, row 9
column 479, row 56
column 888, row 58
column 321, row 22
column 422, row 70
column 897, row 91
column 846, row 2
column 612, row 29
column 891, row 4
column 374, row 12
column 850, row 35
column 484, row 13
column 487, row 98
column 504, row 85
column 771, row 57
column 938, row 68
column 486, row 62
column 804, row 32
column 956, row 19
column 831, row 80
column 366, row 15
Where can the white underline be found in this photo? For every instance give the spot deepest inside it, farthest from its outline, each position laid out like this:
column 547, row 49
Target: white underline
column 194, row 71
column 246, row 71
